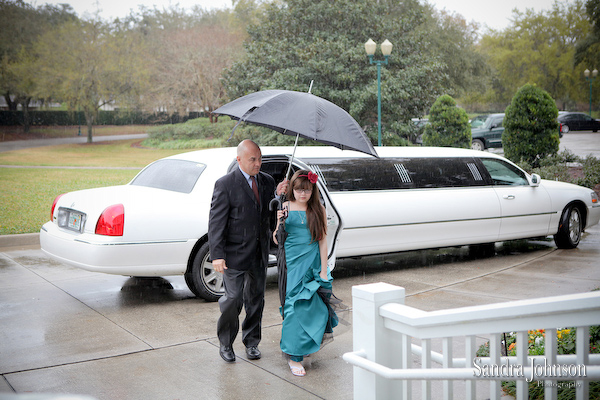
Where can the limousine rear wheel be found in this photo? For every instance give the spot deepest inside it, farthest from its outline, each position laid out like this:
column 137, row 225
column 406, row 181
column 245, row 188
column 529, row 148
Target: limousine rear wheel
column 202, row 279
column 569, row 229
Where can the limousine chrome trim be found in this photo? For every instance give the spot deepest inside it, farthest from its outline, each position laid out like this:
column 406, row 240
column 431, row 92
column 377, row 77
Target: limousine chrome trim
column 131, row 243
column 451, row 220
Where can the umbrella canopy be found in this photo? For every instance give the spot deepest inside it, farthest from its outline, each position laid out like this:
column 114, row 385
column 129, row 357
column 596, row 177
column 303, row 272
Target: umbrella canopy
column 300, row 114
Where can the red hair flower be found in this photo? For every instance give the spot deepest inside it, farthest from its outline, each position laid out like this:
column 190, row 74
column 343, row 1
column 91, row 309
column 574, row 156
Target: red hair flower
column 312, row 177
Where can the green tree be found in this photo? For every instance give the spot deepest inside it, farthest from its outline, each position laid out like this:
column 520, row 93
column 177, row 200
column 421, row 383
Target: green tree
column 587, row 51
column 86, row 65
column 530, row 126
column 299, row 41
column 448, row 125
column 188, row 52
column 453, row 41
column 22, row 25
column 538, row 48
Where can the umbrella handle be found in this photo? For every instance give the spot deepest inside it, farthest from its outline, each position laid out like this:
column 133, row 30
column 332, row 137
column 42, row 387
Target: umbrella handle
column 277, row 201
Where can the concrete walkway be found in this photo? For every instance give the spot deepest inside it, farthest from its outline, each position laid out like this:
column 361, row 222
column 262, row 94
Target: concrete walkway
column 64, row 330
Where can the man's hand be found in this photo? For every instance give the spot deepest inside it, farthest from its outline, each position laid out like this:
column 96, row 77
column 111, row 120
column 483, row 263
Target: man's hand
column 282, row 187
column 219, row 265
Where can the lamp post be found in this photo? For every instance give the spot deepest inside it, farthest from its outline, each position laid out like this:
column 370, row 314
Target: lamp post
column 386, row 50
column 591, row 79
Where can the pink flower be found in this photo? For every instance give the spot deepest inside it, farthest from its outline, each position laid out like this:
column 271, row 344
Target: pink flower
column 312, row 177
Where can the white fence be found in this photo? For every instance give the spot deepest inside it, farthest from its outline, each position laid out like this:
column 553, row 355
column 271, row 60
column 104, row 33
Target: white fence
column 386, row 334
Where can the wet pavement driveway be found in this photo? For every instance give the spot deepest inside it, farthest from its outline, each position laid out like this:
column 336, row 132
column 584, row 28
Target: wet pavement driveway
column 64, row 330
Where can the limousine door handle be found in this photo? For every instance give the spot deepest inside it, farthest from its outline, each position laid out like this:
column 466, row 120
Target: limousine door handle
column 509, row 196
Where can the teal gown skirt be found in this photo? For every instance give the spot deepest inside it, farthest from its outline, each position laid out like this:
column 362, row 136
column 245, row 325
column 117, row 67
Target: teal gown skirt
column 306, row 316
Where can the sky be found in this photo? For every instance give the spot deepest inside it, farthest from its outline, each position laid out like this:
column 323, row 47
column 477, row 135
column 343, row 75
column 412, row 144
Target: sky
column 491, row 14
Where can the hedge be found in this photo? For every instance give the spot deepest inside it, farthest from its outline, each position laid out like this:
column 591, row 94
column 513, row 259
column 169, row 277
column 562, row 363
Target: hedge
column 64, row 118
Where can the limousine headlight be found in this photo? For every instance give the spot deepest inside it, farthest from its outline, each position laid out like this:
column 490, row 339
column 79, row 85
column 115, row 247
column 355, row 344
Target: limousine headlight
column 594, row 198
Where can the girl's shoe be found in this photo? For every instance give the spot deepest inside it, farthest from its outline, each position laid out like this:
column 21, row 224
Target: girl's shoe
column 297, row 370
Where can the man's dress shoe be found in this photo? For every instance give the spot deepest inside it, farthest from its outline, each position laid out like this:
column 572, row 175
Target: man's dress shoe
column 227, row 353
column 253, row 353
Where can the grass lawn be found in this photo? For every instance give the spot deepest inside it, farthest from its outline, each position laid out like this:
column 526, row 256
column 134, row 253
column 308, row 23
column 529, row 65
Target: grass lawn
column 120, row 153
column 26, row 194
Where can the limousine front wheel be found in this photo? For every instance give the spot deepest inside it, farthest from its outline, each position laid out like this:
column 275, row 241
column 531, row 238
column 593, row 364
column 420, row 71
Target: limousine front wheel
column 570, row 228
column 202, row 279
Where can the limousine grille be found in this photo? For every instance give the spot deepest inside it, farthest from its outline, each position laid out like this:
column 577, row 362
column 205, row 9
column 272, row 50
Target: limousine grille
column 475, row 171
column 403, row 173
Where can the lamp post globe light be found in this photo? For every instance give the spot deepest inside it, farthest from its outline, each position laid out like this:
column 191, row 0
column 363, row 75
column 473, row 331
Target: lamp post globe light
column 591, row 79
column 386, row 50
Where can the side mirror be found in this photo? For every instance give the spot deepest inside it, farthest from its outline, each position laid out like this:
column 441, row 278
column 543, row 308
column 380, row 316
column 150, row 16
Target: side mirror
column 535, row 180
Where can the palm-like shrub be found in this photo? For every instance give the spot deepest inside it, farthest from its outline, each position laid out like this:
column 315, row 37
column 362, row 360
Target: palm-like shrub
column 530, row 126
column 448, row 125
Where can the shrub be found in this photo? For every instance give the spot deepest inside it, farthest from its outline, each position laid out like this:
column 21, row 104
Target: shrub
column 556, row 167
column 591, row 171
column 530, row 126
column 536, row 341
column 195, row 133
column 448, row 125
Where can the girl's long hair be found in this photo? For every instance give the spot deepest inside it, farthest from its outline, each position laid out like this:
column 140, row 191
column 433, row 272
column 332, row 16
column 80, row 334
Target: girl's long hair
column 315, row 212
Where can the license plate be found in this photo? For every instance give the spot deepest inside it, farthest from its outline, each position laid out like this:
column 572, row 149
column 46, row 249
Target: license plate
column 71, row 219
column 74, row 221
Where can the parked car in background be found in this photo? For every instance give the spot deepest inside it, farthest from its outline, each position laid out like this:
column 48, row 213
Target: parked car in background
column 577, row 121
column 419, row 128
column 489, row 134
column 477, row 121
column 410, row 198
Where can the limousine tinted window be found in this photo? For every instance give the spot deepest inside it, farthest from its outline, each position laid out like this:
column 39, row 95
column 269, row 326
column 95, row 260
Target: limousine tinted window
column 397, row 173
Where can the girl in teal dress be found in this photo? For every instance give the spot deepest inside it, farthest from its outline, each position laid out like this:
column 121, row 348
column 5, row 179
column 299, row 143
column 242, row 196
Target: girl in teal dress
column 306, row 314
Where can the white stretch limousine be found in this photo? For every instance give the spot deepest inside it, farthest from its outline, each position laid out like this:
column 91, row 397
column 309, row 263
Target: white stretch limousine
column 410, row 198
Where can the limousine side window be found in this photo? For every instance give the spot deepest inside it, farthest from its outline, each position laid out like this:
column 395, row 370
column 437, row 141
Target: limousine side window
column 397, row 173
column 503, row 173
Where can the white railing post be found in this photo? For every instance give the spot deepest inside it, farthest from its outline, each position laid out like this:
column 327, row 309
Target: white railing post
column 470, row 354
column 582, row 346
column 371, row 337
column 522, row 353
column 495, row 386
column 550, row 344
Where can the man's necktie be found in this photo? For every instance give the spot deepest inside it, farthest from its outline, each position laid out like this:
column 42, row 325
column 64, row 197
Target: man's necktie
column 255, row 189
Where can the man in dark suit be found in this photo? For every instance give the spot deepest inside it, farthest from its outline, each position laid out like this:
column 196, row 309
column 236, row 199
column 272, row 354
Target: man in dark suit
column 239, row 237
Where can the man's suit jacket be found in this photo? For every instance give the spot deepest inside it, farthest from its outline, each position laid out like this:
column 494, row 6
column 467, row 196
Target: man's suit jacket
column 238, row 227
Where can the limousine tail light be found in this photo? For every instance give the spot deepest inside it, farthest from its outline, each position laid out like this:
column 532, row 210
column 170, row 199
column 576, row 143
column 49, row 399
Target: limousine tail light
column 54, row 206
column 112, row 221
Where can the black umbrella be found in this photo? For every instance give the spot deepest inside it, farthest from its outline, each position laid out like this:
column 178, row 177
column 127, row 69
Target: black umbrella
column 300, row 114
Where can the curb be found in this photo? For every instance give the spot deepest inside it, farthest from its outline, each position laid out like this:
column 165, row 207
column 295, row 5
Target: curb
column 24, row 239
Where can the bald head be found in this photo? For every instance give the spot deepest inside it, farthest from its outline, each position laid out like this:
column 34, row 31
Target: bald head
column 249, row 157
column 246, row 145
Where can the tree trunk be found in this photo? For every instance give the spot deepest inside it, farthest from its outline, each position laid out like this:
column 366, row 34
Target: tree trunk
column 25, row 104
column 12, row 105
column 89, row 118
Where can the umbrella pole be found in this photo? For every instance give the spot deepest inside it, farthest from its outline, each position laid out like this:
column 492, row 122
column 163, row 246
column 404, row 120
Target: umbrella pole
column 287, row 174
